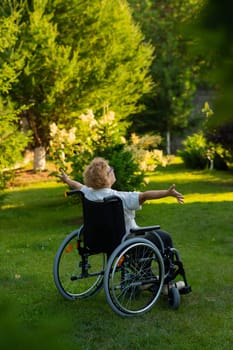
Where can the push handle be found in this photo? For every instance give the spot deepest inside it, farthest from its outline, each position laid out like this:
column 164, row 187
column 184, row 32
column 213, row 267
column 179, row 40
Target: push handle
column 71, row 192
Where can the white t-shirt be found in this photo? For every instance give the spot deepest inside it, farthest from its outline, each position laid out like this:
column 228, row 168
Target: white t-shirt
column 130, row 201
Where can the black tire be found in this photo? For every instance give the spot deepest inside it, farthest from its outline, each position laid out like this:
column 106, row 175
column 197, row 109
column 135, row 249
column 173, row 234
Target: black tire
column 173, row 298
column 67, row 270
column 134, row 277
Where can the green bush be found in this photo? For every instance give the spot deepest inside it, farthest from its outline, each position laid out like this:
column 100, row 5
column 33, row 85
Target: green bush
column 194, row 154
column 129, row 175
column 12, row 143
column 221, row 158
column 198, row 153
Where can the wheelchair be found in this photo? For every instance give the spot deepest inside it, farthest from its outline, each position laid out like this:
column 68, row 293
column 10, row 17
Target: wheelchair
column 130, row 268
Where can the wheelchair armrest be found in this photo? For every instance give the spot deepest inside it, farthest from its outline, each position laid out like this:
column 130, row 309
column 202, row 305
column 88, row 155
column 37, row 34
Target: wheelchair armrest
column 139, row 230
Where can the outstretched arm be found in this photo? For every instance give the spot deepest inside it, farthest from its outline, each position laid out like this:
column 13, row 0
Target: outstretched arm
column 157, row 194
column 65, row 178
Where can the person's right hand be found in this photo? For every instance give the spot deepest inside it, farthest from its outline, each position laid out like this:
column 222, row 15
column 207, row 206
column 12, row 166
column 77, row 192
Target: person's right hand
column 63, row 176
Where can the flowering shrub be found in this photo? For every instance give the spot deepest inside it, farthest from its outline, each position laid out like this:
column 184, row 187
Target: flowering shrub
column 73, row 149
column 145, row 152
column 104, row 137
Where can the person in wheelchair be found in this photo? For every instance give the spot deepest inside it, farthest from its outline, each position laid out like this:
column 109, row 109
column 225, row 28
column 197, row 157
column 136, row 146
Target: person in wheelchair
column 99, row 178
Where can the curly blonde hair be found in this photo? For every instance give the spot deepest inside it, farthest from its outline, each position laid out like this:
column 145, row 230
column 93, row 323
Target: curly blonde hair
column 96, row 175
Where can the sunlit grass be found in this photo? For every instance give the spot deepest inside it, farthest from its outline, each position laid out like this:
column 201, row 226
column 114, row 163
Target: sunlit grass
column 197, row 186
column 191, row 176
column 209, row 197
column 200, row 198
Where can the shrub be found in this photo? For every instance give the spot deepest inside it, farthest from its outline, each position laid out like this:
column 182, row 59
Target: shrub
column 74, row 148
column 12, row 143
column 194, row 153
column 104, row 137
column 129, row 175
column 221, row 158
column 145, row 151
column 198, row 153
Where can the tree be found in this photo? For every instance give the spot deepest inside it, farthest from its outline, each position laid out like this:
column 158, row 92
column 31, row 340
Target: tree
column 174, row 71
column 78, row 55
column 12, row 140
column 213, row 32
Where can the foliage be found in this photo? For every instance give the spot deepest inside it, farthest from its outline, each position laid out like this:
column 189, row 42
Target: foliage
column 145, row 151
column 88, row 136
column 174, row 70
column 199, row 153
column 212, row 33
column 91, row 137
column 103, row 136
column 194, row 153
column 11, row 60
column 12, row 139
column 220, row 136
column 12, row 143
column 129, row 175
column 77, row 55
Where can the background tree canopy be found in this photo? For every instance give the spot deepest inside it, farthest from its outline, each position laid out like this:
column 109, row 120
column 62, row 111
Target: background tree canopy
column 137, row 58
column 77, row 55
column 174, row 70
column 212, row 32
column 12, row 138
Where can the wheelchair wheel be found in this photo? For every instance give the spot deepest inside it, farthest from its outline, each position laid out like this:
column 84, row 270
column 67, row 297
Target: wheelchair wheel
column 134, row 277
column 73, row 277
column 173, row 298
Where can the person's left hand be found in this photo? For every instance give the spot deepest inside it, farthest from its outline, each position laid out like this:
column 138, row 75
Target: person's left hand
column 172, row 192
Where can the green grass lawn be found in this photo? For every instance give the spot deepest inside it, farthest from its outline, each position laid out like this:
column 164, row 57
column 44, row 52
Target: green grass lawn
column 36, row 217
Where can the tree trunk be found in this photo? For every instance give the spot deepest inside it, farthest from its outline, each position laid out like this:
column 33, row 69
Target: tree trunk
column 168, row 142
column 39, row 158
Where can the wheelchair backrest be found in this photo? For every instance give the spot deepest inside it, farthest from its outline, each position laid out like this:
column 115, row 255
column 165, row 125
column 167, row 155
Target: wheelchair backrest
column 104, row 223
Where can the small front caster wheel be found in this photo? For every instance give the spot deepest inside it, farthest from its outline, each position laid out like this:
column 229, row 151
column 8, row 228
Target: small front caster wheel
column 173, row 298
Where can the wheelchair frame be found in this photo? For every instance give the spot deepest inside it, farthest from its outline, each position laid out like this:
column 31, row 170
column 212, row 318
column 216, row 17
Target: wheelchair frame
column 131, row 269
